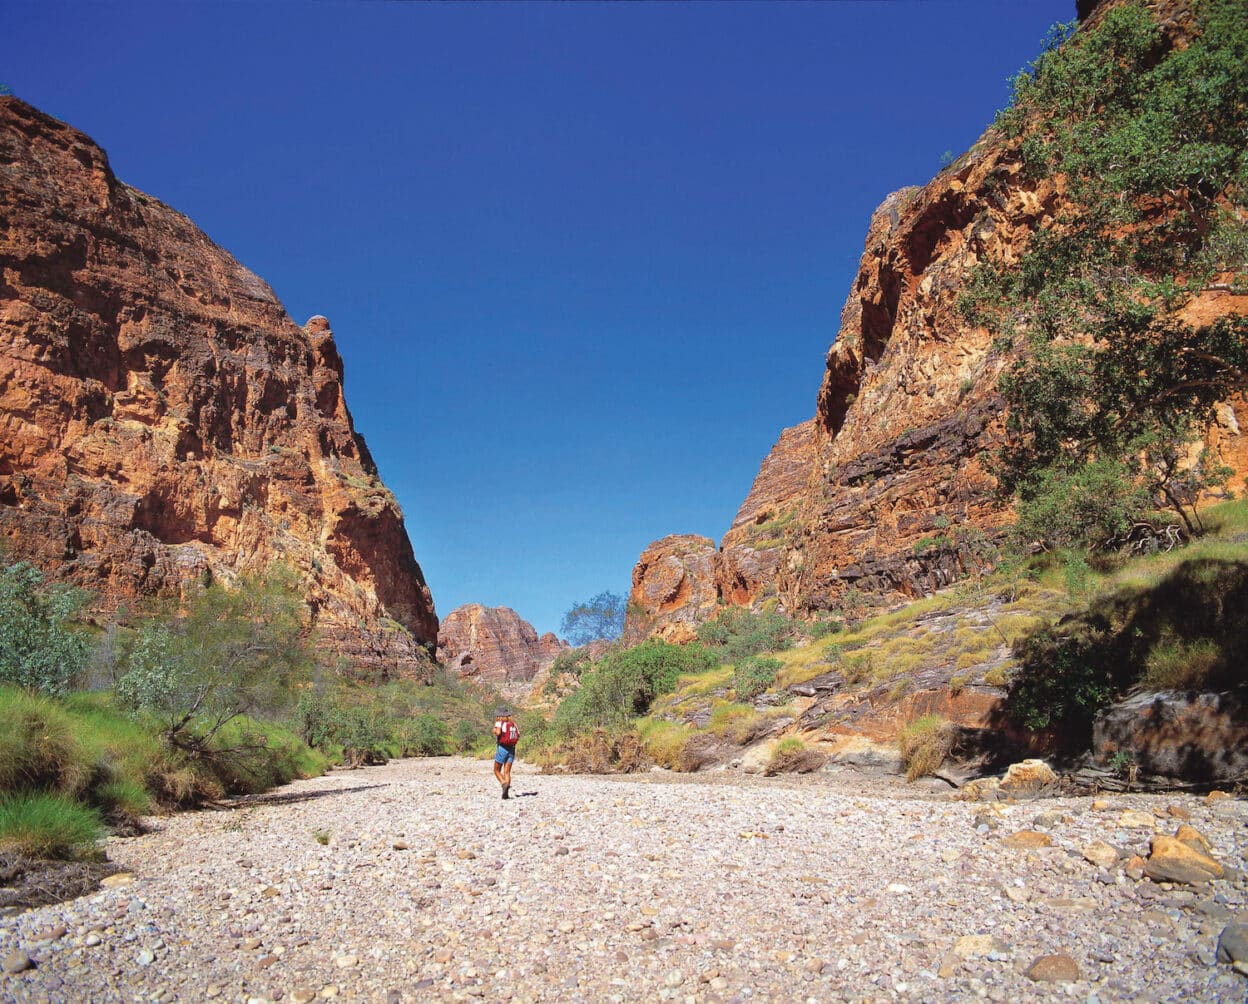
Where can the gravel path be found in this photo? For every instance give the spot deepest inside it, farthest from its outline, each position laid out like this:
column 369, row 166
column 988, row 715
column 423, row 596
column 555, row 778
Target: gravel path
column 429, row 887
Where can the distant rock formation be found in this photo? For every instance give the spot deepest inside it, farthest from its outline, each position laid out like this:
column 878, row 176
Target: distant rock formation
column 495, row 646
column 165, row 422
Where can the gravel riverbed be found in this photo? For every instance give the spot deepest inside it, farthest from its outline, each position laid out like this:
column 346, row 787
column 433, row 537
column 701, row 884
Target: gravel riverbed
column 415, row 881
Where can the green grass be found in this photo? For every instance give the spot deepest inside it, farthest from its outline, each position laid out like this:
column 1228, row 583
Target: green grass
column 46, row 825
column 663, row 741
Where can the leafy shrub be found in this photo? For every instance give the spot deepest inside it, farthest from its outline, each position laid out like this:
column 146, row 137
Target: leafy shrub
column 753, row 675
column 46, row 826
column 429, row 736
column 39, row 645
column 737, row 633
column 465, row 737
column 234, row 653
column 622, row 685
column 1181, row 665
column 924, row 744
column 599, row 618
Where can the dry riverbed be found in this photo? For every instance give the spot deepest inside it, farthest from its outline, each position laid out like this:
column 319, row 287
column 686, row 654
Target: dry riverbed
column 415, row 881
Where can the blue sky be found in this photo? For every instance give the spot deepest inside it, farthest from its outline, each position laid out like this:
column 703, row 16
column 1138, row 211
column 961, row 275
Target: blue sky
column 583, row 261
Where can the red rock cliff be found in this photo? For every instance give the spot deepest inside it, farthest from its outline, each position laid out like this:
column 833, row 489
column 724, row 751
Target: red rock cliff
column 163, row 420
column 496, row 646
column 896, row 496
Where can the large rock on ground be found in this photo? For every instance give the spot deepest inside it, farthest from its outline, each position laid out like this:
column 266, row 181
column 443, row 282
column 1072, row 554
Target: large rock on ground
column 163, row 421
column 495, row 646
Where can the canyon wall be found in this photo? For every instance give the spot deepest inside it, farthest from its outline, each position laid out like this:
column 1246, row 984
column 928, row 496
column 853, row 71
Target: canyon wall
column 164, row 422
column 887, row 490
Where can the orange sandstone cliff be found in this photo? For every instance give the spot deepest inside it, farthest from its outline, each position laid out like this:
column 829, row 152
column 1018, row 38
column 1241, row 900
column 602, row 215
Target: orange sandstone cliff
column 163, row 421
column 887, row 489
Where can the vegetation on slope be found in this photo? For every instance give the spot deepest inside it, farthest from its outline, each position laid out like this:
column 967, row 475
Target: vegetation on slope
column 1110, row 383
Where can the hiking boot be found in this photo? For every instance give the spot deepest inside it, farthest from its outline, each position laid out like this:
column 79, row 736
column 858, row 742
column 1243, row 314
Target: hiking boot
column 506, row 789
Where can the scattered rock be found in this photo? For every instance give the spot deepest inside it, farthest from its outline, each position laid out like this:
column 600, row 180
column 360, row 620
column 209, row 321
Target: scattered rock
column 347, row 961
column 1192, row 837
column 1054, row 969
column 49, row 933
column 117, row 879
column 1027, row 839
column 1171, row 860
column 17, row 962
column 1132, row 819
column 1100, row 854
column 1233, row 943
column 975, row 946
column 1028, row 778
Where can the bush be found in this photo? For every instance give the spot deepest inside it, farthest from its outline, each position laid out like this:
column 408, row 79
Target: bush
column 623, row 684
column 39, row 646
column 737, row 633
column 234, row 653
column 753, row 675
column 47, row 826
column 428, row 736
column 39, row 750
column 924, row 744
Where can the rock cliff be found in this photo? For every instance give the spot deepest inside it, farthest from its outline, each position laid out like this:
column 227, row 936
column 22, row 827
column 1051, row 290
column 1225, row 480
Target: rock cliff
column 495, row 646
column 896, row 497
column 165, row 421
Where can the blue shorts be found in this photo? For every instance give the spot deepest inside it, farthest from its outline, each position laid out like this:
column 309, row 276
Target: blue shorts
column 504, row 754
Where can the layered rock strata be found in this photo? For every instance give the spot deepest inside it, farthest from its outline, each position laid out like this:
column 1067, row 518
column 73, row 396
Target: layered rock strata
column 897, row 498
column 495, row 646
column 164, row 422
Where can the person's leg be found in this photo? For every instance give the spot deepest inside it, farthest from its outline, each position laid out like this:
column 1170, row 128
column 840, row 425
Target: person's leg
column 499, row 766
column 511, row 758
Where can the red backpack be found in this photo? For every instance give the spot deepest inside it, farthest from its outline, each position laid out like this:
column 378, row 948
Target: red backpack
column 508, row 733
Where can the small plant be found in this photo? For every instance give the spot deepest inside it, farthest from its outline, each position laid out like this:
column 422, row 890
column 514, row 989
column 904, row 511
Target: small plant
column 792, row 756
column 924, row 744
column 1121, row 762
column 321, row 836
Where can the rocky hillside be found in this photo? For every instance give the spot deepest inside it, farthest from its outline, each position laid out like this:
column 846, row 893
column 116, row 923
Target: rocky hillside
column 887, row 491
column 495, row 646
column 166, row 422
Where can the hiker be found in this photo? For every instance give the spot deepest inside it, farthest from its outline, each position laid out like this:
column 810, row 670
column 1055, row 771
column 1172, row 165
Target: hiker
column 507, row 732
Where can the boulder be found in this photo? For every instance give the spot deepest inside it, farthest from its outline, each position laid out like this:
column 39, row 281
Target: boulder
column 1172, row 860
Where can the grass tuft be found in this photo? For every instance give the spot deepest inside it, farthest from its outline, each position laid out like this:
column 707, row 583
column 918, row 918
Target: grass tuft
column 924, row 744
column 47, row 826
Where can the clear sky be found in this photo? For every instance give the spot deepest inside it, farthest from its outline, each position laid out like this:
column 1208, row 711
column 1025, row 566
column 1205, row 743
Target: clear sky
column 583, row 261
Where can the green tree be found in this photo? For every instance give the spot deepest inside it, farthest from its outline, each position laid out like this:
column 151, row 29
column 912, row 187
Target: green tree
column 234, row 652
column 1107, row 375
column 40, row 647
column 598, row 619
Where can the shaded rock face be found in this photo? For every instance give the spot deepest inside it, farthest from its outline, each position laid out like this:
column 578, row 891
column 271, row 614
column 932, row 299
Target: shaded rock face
column 1201, row 737
column 496, row 646
column 165, row 422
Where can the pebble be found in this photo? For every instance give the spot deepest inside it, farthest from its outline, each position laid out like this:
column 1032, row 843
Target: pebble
column 847, row 888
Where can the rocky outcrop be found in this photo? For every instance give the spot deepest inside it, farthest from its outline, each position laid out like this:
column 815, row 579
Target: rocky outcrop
column 165, row 422
column 495, row 646
column 674, row 589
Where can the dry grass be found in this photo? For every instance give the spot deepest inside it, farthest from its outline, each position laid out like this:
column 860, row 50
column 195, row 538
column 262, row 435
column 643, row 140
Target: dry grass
column 792, row 756
column 924, row 744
